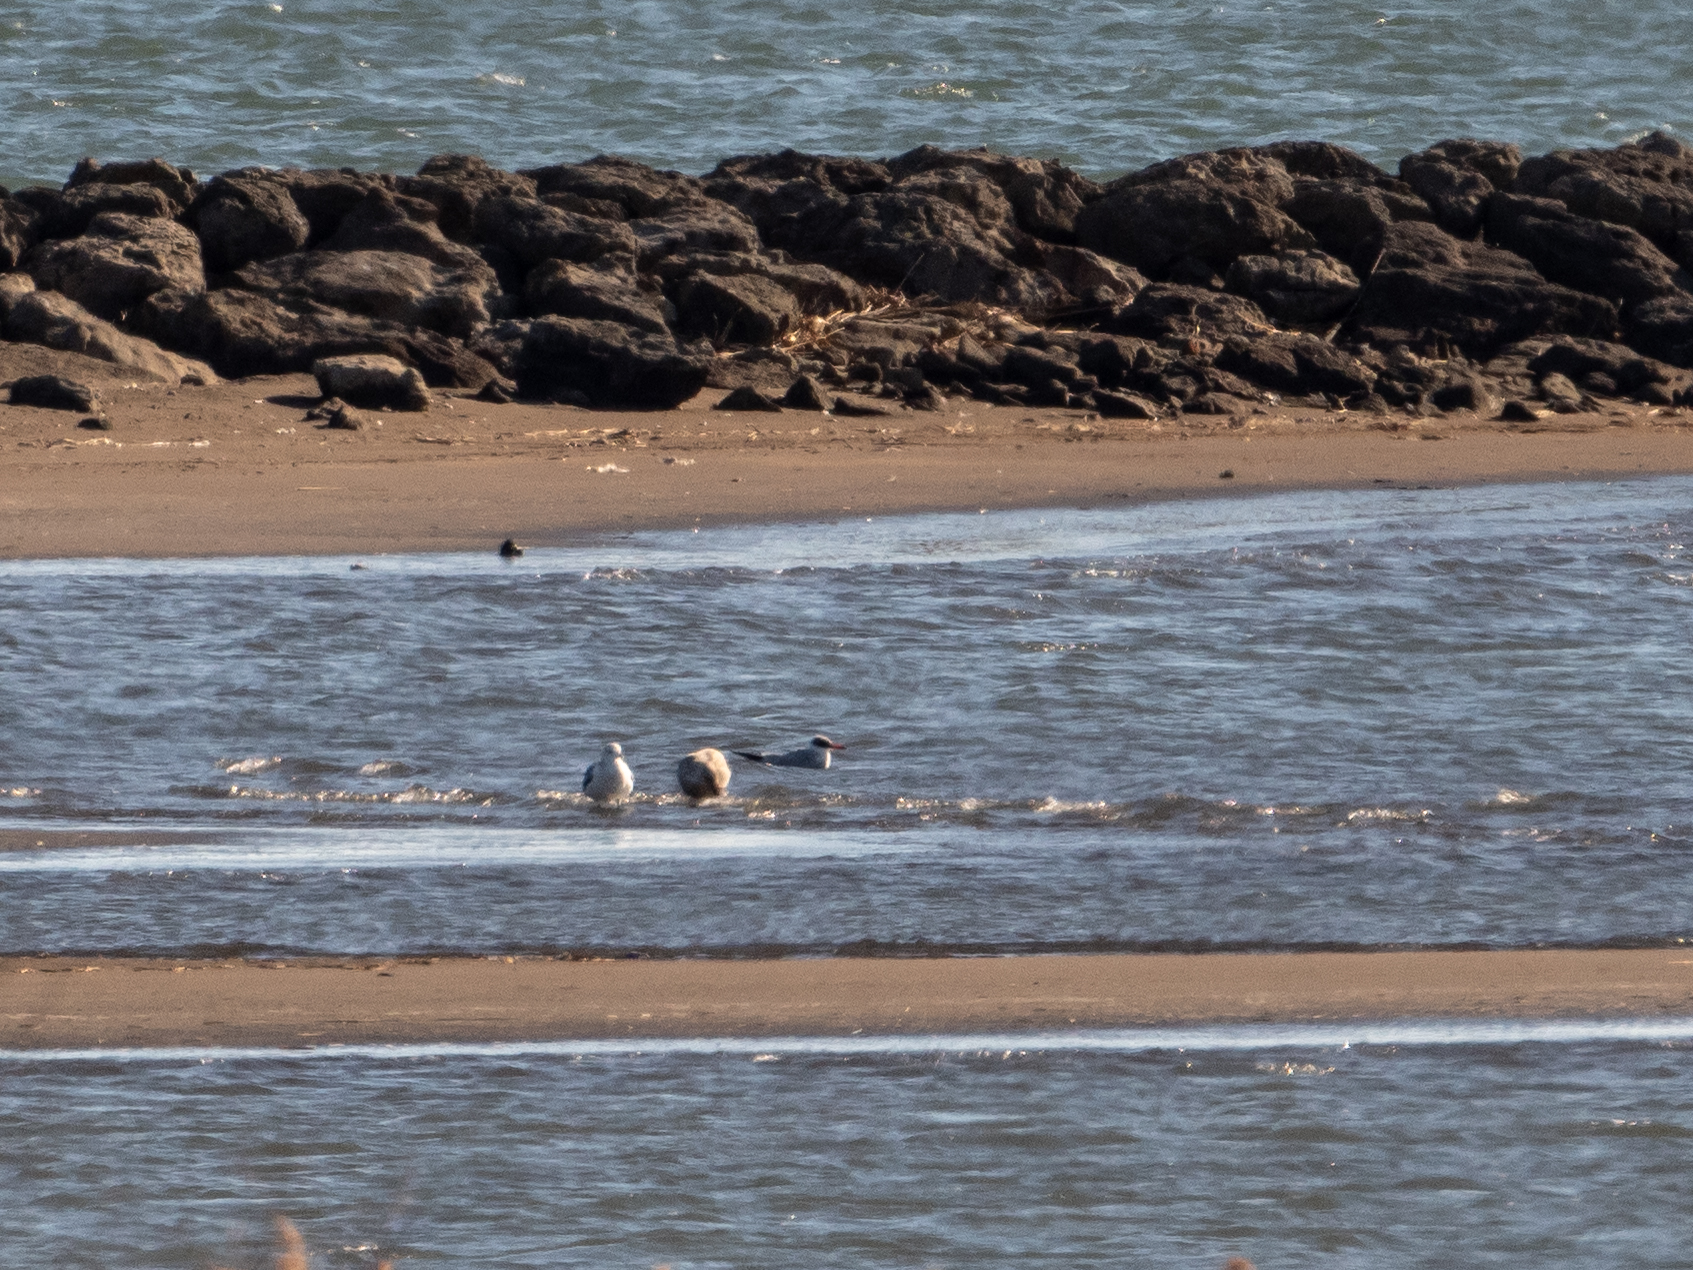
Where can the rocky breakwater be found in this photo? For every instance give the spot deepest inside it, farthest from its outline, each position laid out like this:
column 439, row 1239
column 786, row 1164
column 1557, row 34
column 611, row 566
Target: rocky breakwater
column 1472, row 278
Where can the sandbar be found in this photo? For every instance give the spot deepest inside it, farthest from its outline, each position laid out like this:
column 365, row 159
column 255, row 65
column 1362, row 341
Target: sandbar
column 65, row 1003
column 237, row 469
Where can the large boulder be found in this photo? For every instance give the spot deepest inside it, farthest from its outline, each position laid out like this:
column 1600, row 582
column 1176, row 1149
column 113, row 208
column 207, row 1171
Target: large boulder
column 371, row 380
column 19, row 231
column 609, row 365
column 733, row 308
column 388, row 285
column 606, row 290
column 1664, row 329
column 636, row 191
column 458, row 185
column 242, row 333
column 388, row 222
column 1646, row 185
column 817, row 289
column 178, row 185
column 1295, row 364
column 691, row 229
column 1606, row 260
column 120, row 261
column 1195, row 215
column 59, row 322
column 1298, row 287
column 1044, row 195
column 1431, row 288
column 68, row 213
column 1173, row 314
column 1458, row 177
column 326, row 196
column 1350, row 220
column 246, row 215
column 1625, row 371
column 533, row 231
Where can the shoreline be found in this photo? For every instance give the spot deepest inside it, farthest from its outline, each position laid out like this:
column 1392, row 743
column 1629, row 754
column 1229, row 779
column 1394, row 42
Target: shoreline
column 53, row 1003
column 236, row 469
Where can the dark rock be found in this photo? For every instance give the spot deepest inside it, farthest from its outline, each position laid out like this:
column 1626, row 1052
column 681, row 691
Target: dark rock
column 1115, row 405
column 1515, row 411
column 1167, row 312
column 1626, row 371
column 1297, row 287
column 509, row 550
column 817, row 289
column 1114, row 360
column 1663, row 329
column 689, row 230
column 1037, row 368
column 1457, row 178
column 19, row 231
column 606, row 290
column 1295, row 365
column 459, row 186
column 532, row 231
column 95, row 423
column 1213, row 403
column 500, row 343
column 246, row 215
column 57, row 321
column 337, row 415
column 120, row 261
column 1350, row 220
column 637, row 190
column 612, row 365
column 327, row 196
column 848, row 408
column 1156, row 227
column 1612, row 261
column 743, row 309
column 1323, row 161
column 1560, row 392
column 390, row 286
column 242, row 333
column 176, row 184
column 496, row 393
column 53, row 392
column 749, row 399
column 882, row 343
column 1429, row 287
column 397, row 223
column 373, row 381
column 1645, row 185
column 1044, row 195
column 806, row 394
column 1468, row 392
column 68, row 214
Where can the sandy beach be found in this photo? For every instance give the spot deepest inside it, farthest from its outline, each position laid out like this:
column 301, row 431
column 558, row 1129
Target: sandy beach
column 237, row 468
column 49, row 1003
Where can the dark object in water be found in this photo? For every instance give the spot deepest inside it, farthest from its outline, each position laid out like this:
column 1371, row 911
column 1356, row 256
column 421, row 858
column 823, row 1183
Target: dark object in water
column 509, row 550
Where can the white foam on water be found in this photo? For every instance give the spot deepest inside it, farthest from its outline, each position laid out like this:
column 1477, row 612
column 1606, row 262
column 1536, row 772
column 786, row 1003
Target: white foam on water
column 1304, row 1037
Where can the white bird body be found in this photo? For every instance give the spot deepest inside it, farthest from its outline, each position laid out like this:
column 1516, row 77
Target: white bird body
column 703, row 774
column 814, row 754
column 608, row 779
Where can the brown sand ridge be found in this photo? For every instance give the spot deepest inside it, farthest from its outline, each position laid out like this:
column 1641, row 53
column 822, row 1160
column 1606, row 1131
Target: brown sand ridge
column 59, row 1003
column 237, row 468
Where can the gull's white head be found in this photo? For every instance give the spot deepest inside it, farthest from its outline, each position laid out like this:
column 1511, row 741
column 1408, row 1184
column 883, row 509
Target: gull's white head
column 824, row 743
column 612, row 750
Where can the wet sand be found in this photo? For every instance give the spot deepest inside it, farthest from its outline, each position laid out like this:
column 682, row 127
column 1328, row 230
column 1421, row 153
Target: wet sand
column 54, row 1002
column 237, row 469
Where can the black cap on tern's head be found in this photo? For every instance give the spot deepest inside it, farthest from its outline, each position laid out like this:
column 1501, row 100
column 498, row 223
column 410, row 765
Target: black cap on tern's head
column 824, row 743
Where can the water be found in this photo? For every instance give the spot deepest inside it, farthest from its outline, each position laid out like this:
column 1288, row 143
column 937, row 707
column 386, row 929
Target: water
column 1390, row 717
column 1379, row 1155
column 1105, row 85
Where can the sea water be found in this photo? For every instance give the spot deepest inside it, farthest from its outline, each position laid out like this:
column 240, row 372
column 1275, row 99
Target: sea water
column 1386, row 718
column 1105, row 85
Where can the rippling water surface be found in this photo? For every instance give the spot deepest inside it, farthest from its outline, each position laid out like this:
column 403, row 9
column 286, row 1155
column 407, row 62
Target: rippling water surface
column 1376, row 1155
column 1389, row 717
column 1106, row 84
column 1427, row 717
